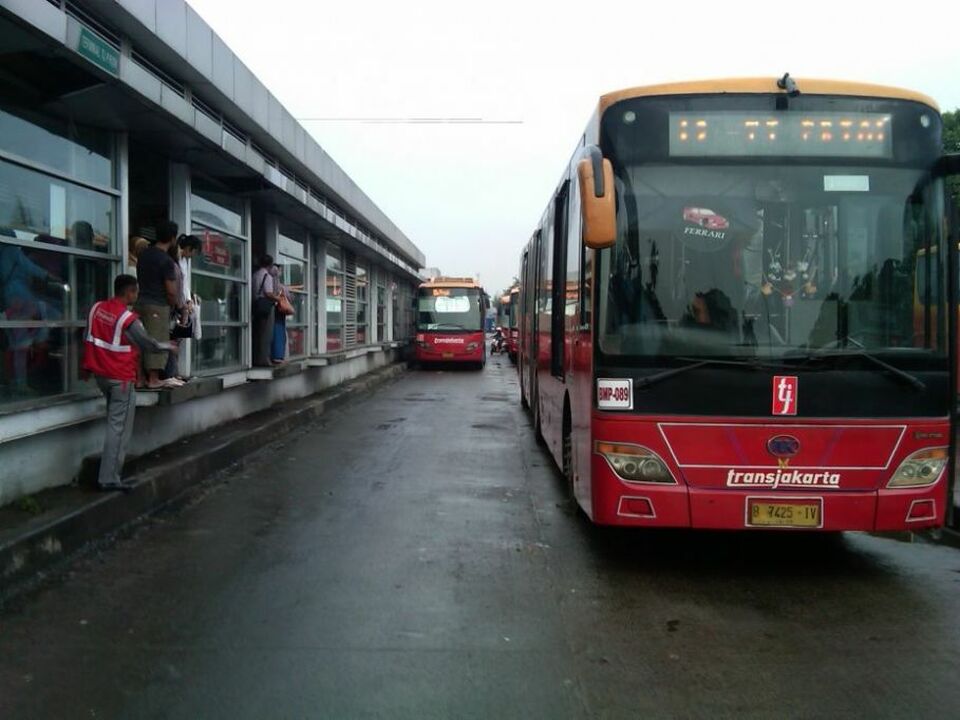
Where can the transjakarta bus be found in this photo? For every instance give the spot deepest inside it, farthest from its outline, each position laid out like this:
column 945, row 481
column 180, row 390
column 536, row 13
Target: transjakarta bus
column 507, row 319
column 450, row 315
column 717, row 309
column 513, row 330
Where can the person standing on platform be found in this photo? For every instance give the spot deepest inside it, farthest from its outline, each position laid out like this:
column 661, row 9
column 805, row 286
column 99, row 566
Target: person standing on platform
column 159, row 293
column 278, row 348
column 111, row 354
column 181, row 326
column 264, row 311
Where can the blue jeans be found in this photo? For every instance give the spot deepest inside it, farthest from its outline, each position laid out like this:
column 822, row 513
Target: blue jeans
column 278, row 348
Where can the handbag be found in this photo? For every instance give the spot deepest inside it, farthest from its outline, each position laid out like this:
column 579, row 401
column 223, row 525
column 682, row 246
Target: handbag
column 262, row 305
column 284, row 306
column 182, row 332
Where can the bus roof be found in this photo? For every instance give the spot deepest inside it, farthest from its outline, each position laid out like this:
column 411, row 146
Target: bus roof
column 765, row 85
column 451, row 282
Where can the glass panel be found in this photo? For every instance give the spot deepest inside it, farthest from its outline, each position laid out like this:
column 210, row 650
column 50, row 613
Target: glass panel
column 291, row 247
column 294, row 272
column 220, row 299
column 36, row 284
column 39, row 285
column 297, row 341
column 449, row 309
column 218, row 210
column 334, row 339
column 81, row 152
column 334, row 261
column 361, row 335
column 218, row 349
column 219, row 253
column 396, row 313
column 768, row 261
column 34, row 206
column 39, row 362
column 299, row 302
column 334, row 300
column 92, row 283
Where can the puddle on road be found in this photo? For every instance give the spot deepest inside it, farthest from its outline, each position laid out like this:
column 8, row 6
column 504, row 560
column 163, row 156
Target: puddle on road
column 489, row 426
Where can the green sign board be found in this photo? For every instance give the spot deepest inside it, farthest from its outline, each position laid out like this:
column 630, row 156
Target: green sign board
column 98, row 51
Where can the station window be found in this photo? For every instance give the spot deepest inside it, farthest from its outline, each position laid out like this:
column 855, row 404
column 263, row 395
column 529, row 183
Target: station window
column 292, row 259
column 381, row 308
column 335, row 298
column 219, row 278
column 58, row 249
column 395, row 310
column 363, row 304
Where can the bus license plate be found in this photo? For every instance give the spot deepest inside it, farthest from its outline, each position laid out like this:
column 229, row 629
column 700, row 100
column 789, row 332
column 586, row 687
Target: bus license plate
column 447, row 356
column 768, row 513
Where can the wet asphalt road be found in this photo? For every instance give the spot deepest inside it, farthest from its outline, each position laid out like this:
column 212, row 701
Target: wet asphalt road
column 411, row 557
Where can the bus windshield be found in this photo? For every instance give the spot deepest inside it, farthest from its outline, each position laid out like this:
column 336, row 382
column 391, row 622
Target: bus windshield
column 774, row 258
column 449, row 309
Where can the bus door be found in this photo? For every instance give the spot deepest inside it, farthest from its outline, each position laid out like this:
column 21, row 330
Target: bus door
column 533, row 313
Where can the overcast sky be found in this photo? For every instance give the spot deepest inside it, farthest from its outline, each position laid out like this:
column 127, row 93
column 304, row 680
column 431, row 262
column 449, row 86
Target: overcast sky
column 470, row 195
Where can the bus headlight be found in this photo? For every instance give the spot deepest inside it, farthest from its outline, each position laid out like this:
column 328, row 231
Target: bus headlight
column 635, row 463
column 923, row 467
column 472, row 346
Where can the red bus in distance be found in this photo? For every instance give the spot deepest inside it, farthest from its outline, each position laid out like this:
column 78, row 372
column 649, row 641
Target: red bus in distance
column 450, row 315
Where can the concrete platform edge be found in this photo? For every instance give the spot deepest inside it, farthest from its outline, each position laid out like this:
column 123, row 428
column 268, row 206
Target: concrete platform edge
column 42, row 547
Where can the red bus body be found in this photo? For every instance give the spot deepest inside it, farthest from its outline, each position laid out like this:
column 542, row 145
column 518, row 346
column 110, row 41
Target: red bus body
column 512, row 330
column 802, row 450
column 463, row 339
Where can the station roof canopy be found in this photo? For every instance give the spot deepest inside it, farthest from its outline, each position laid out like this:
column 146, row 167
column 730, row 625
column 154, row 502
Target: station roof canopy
column 160, row 73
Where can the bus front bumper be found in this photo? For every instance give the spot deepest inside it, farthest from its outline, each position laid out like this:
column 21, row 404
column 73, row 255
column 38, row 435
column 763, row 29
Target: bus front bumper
column 650, row 505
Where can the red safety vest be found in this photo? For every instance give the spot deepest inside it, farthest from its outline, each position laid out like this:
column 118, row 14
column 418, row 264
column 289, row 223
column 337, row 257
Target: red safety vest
column 107, row 351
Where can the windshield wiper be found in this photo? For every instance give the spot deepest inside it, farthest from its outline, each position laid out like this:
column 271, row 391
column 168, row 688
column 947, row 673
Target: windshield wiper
column 695, row 363
column 903, row 375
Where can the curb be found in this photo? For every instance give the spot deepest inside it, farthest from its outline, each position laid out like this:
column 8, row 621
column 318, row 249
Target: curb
column 43, row 545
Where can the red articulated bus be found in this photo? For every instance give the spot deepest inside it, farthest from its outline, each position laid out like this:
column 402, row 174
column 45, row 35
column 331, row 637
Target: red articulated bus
column 513, row 329
column 718, row 309
column 450, row 315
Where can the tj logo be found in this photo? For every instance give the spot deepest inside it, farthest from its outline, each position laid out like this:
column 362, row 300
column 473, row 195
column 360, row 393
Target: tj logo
column 785, row 395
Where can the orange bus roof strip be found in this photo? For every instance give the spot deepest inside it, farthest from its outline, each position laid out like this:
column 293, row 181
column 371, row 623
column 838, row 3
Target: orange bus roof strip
column 765, row 85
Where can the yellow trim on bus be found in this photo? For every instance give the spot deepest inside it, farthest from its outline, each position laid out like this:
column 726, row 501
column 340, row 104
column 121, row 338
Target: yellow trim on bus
column 766, row 85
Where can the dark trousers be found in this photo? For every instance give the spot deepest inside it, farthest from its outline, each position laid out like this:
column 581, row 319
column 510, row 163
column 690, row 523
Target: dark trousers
column 263, row 339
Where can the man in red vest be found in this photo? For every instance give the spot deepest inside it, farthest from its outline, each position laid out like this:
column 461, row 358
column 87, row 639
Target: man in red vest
column 114, row 338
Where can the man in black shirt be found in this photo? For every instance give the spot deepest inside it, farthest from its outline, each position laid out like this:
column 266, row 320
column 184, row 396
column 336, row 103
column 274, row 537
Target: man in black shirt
column 159, row 292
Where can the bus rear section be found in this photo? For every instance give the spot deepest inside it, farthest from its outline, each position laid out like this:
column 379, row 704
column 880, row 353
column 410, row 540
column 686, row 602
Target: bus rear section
column 450, row 317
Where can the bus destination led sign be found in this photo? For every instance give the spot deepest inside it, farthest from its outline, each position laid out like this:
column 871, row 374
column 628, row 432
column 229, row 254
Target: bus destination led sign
column 786, row 134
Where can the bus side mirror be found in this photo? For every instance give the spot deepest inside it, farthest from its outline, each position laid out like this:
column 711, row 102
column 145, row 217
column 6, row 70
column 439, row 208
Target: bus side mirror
column 597, row 200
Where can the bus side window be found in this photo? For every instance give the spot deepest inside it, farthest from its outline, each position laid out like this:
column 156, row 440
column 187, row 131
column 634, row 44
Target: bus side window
column 574, row 280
